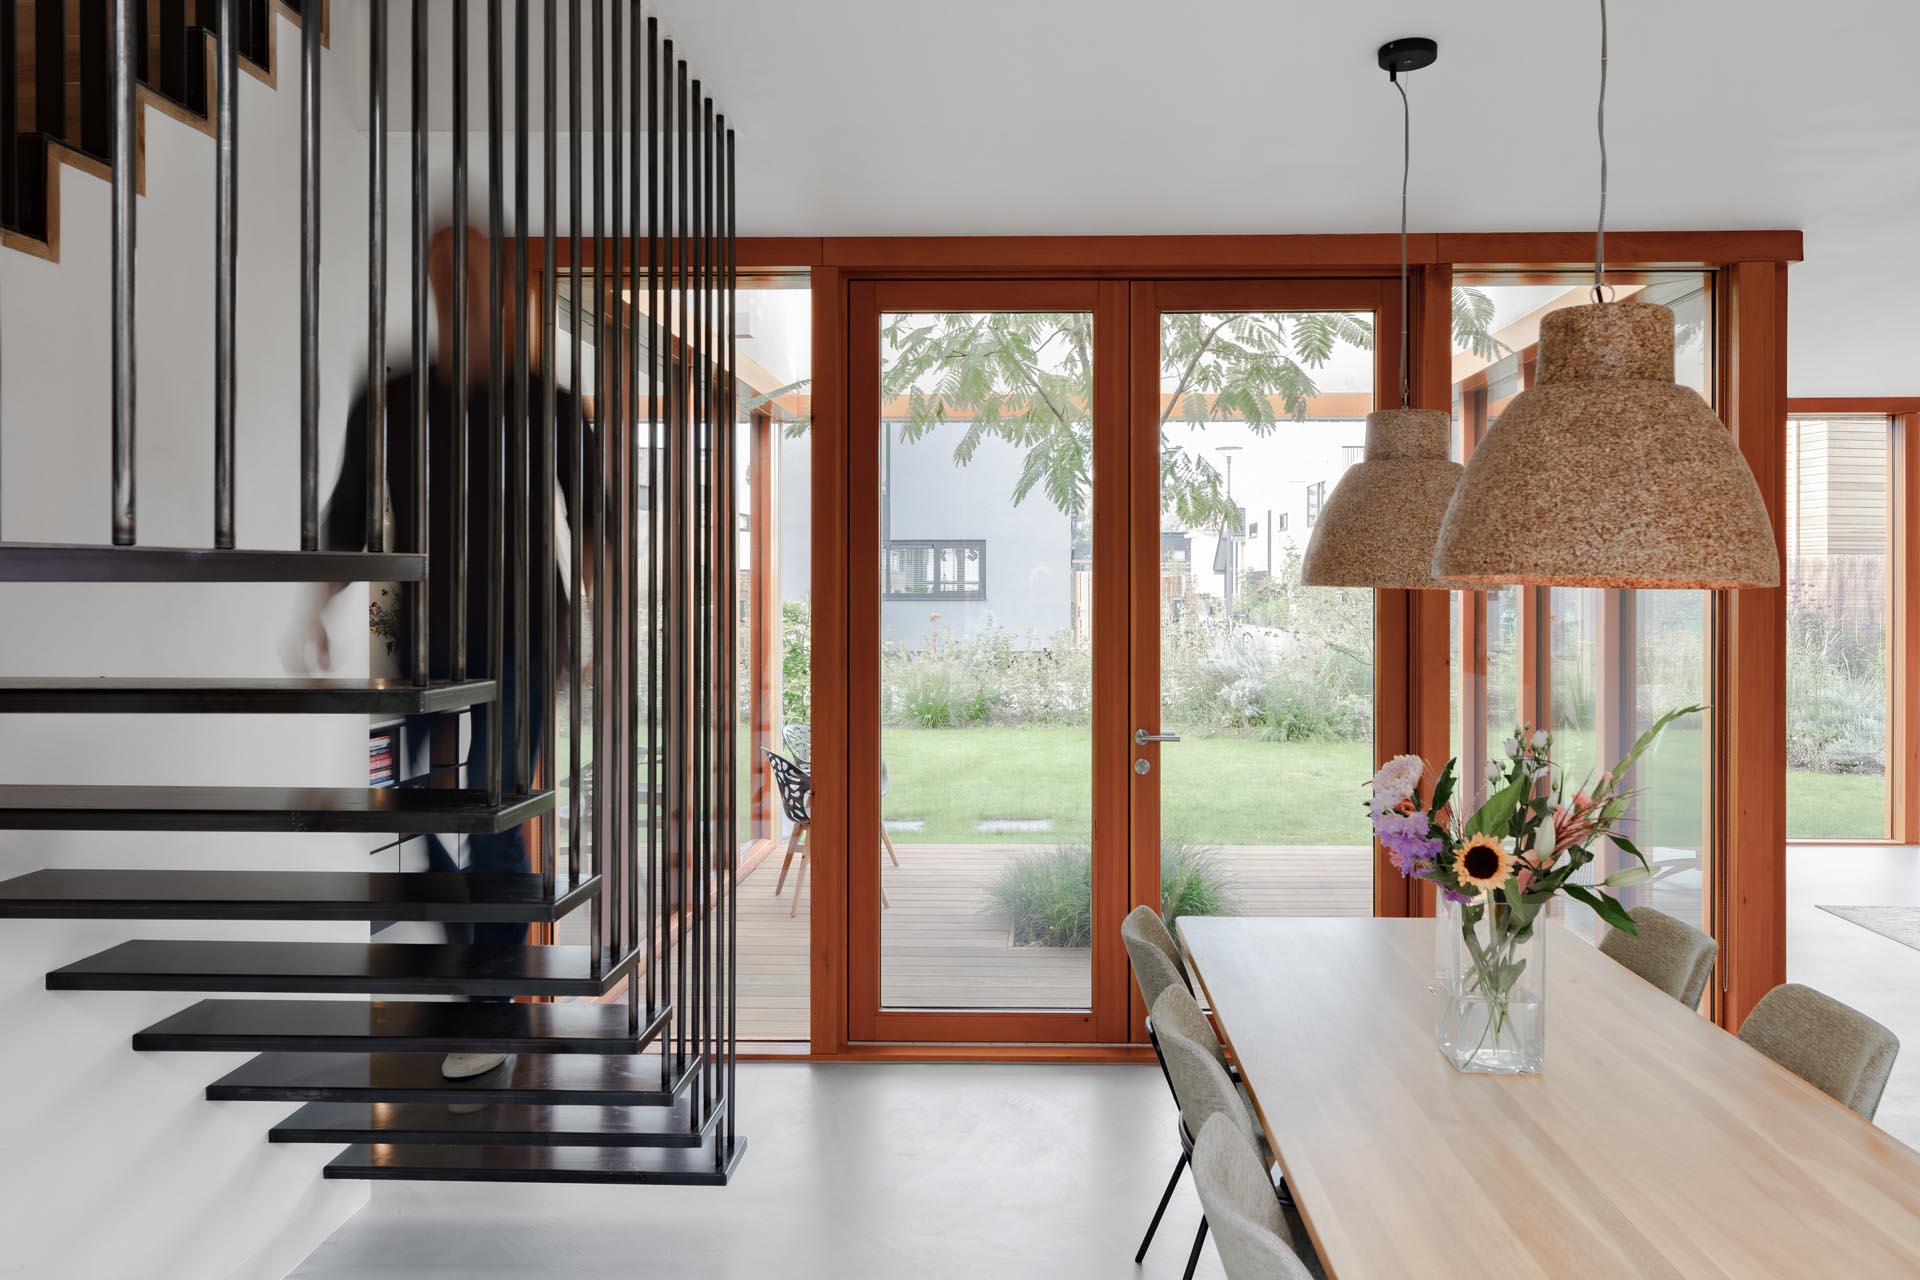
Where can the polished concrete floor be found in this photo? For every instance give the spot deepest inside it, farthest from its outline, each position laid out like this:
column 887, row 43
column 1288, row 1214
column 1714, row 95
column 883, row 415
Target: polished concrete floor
column 1875, row 974
column 853, row 1172
column 1005, row 1171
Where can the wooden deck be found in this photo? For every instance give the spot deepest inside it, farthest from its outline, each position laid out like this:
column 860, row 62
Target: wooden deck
column 941, row 948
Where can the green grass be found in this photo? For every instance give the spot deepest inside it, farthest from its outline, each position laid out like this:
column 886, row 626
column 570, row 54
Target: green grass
column 1248, row 791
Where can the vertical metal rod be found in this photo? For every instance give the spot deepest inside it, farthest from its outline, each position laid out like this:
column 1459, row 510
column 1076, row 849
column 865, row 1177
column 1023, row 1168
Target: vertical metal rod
column 652, row 366
column 602, row 732
column 226, row 230
column 518, row 469
column 683, row 432
column 310, row 22
column 125, row 370
column 611, row 347
column 496, row 404
column 638, row 605
column 672, row 868
column 733, row 860
column 458, row 374
column 421, row 377
column 697, row 339
column 549, row 429
column 576, row 451
column 712, row 768
column 377, row 275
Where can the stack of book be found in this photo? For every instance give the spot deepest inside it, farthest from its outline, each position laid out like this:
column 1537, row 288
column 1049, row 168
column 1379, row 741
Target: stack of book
column 381, row 746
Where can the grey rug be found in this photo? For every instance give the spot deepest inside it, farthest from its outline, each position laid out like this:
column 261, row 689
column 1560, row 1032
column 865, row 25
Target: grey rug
column 1902, row 924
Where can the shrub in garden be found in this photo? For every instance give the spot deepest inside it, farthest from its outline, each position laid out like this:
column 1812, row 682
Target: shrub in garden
column 1045, row 898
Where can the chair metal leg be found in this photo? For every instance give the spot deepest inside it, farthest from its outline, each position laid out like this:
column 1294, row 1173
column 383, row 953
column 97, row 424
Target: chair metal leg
column 1179, row 1167
column 1193, row 1259
column 792, row 841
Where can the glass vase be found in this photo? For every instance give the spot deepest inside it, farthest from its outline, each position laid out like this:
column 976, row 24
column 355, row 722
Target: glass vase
column 1493, row 996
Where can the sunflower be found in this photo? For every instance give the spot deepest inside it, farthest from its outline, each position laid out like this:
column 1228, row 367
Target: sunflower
column 1483, row 863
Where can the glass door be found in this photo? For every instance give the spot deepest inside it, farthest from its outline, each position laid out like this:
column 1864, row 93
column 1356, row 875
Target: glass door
column 988, row 615
column 1253, row 694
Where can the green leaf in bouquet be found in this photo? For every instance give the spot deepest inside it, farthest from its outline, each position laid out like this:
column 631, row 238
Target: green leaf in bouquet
column 1605, row 906
column 1497, row 813
column 1443, row 788
column 1627, row 846
column 1647, row 739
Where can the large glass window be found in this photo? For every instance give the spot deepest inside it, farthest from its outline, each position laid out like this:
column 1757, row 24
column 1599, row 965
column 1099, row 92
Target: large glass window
column 1838, row 548
column 1594, row 667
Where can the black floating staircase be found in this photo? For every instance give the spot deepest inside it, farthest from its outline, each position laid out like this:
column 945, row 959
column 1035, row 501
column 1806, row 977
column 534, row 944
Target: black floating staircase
column 633, row 1080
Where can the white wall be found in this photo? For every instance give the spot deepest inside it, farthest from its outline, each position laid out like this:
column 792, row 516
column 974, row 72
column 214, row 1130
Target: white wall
column 112, row 1163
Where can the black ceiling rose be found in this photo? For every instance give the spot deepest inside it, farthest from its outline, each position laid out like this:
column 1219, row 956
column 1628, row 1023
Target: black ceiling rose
column 1409, row 53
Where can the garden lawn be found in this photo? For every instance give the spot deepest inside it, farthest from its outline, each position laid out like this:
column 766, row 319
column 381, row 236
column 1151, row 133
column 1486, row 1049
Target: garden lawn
column 1249, row 791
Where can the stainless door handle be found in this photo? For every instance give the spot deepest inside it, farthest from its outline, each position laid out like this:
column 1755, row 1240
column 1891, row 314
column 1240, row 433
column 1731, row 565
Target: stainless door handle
column 1141, row 737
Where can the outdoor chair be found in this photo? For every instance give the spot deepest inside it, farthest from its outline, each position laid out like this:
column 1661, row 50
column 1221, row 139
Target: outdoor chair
column 1833, row 1047
column 798, row 739
column 796, row 795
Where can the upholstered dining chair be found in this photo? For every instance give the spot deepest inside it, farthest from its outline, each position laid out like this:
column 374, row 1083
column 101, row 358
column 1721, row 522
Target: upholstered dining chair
column 1668, row 952
column 1156, row 957
column 1249, row 1227
column 1833, row 1047
column 796, row 795
column 1202, row 1089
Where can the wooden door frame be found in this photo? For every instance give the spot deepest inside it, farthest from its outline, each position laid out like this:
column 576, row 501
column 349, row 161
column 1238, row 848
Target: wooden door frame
column 867, row 1020
column 1749, row 837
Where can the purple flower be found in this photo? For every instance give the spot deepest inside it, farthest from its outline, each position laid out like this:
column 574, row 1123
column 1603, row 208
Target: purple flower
column 1407, row 839
column 1454, row 895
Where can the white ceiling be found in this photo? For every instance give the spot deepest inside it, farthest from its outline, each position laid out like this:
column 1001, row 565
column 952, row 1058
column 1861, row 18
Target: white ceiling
column 896, row 117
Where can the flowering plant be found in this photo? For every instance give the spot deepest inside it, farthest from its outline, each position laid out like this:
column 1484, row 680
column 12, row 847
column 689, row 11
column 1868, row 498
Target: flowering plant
column 1504, row 861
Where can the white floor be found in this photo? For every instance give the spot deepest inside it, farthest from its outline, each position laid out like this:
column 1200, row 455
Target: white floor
column 858, row 1172
column 852, row 1172
column 1875, row 974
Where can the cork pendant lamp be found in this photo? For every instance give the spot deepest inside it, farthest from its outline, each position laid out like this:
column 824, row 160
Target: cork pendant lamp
column 1381, row 522
column 1606, row 473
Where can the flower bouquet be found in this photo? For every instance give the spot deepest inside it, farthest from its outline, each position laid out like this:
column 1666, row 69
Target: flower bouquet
column 1497, row 868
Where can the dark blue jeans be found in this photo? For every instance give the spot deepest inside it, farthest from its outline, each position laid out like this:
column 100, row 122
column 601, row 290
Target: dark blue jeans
column 498, row 853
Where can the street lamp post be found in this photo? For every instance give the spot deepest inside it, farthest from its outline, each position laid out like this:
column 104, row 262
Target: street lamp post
column 1227, row 527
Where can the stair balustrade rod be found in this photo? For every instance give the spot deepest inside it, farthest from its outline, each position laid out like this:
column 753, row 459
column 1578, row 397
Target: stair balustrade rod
column 684, row 429
column 703, row 630
column 377, row 275
column 310, row 23
column 577, row 450
column 496, row 404
column 613, row 440
column 125, row 183
column 696, row 347
column 458, row 374
column 672, row 868
column 519, row 472
column 651, row 795
column 639, row 375
column 226, row 230
column 732, row 754
column 600, row 925
column 712, row 770
column 549, row 360
column 422, row 376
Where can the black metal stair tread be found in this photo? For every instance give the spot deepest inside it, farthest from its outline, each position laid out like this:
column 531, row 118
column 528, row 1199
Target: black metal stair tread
column 319, row 695
column 523, row 1124
column 99, row 562
column 88, row 894
column 398, row 1026
column 371, row 968
column 627, row 1080
column 373, row 810
column 640, row 1165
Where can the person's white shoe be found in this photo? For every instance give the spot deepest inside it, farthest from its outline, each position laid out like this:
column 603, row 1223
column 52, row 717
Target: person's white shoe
column 465, row 1066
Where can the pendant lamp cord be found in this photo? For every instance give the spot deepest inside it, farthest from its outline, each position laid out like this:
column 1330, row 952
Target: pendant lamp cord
column 1406, row 165
column 1602, row 291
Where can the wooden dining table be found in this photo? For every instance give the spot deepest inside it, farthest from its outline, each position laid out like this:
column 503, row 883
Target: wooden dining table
column 1652, row 1143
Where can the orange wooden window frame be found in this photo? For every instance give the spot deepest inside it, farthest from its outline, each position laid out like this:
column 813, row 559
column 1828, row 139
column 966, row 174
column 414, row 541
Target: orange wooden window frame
column 1749, row 833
